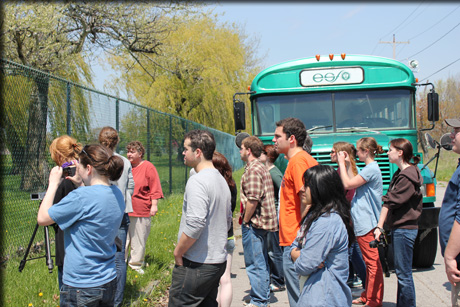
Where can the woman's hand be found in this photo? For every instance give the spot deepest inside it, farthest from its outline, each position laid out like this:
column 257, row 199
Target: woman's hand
column 342, row 156
column 377, row 234
column 55, row 175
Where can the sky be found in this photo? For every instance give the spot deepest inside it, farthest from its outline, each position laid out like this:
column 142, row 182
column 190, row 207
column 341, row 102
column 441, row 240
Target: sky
column 428, row 32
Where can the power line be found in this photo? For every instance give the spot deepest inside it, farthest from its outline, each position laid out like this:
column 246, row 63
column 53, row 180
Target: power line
column 440, row 69
column 442, row 19
column 393, row 31
column 434, row 41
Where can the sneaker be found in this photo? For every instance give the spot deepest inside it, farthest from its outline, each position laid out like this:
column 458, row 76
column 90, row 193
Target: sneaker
column 139, row 271
column 274, row 288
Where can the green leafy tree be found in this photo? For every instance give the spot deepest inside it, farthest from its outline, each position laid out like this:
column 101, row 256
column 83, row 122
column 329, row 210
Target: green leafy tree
column 201, row 65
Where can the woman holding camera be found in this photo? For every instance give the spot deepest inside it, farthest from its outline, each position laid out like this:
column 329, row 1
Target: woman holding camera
column 63, row 151
column 90, row 217
column 365, row 211
column 402, row 207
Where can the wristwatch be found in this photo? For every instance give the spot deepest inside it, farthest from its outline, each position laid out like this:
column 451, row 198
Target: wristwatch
column 246, row 224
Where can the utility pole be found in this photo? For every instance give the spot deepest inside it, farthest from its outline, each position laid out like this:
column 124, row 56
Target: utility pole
column 394, row 45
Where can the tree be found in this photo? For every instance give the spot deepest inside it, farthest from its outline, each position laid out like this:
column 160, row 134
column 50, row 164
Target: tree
column 200, row 67
column 56, row 36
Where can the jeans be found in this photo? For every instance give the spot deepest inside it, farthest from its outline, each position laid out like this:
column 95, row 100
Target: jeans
column 195, row 284
column 88, row 297
column 275, row 260
column 403, row 249
column 290, row 277
column 356, row 259
column 120, row 262
column 256, row 261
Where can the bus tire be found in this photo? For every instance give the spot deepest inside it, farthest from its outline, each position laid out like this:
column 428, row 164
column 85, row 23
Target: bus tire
column 425, row 248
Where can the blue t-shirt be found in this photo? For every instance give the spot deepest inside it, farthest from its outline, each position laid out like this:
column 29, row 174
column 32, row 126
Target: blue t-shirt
column 90, row 218
column 367, row 203
column 450, row 210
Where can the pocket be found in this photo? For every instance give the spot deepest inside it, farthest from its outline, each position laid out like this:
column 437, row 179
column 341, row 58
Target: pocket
column 89, row 296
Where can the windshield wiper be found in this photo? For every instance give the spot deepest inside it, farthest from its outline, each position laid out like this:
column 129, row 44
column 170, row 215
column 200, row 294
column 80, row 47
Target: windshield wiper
column 318, row 127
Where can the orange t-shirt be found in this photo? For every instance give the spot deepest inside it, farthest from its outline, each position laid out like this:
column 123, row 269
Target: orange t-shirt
column 289, row 196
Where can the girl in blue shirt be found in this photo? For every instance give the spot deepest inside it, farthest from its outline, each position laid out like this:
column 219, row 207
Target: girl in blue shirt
column 90, row 217
column 365, row 211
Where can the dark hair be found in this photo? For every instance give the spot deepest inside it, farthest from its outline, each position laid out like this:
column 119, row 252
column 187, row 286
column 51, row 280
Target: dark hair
column 350, row 149
column 370, row 144
column 308, row 144
column 102, row 159
column 137, row 146
column 271, row 153
column 294, row 126
column 255, row 144
column 407, row 149
column 221, row 164
column 327, row 195
column 204, row 140
column 109, row 137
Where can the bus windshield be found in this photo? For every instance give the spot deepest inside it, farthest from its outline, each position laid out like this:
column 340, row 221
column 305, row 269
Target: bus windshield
column 336, row 111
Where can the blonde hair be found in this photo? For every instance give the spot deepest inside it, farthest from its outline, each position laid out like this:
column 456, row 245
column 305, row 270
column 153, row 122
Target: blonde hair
column 64, row 149
column 350, row 150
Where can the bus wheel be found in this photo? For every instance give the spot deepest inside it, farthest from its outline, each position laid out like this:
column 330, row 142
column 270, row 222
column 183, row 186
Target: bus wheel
column 425, row 248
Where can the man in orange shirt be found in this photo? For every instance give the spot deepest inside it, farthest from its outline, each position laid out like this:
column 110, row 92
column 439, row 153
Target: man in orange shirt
column 290, row 136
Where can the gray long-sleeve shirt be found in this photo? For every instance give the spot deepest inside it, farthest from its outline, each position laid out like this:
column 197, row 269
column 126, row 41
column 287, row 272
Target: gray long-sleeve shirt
column 206, row 216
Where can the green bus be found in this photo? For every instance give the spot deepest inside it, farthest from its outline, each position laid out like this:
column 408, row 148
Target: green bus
column 344, row 98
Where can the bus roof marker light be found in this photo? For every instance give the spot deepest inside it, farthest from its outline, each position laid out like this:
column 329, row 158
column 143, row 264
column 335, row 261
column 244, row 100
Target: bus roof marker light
column 331, row 56
column 317, row 57
column 343, row 56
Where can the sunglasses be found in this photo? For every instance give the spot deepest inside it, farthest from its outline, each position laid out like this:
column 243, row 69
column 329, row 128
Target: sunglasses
column 84, row 151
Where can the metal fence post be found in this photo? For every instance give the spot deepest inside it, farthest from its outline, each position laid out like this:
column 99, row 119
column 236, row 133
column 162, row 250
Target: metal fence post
column 69, row 110
column 148, row 135
column 117, row 118
column 170, row 154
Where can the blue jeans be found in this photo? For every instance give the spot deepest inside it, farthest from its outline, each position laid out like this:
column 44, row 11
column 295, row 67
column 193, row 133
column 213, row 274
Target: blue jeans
column 195, row 284
column 256, row 261
column 290, row 277
column 356, row 259
column 403, row 249
column 120, row 260
column 275, row 260
column 88, row 297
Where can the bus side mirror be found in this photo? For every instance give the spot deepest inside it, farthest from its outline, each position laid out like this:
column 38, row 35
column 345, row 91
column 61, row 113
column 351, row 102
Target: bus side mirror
column 433, row 107
column 240, row 116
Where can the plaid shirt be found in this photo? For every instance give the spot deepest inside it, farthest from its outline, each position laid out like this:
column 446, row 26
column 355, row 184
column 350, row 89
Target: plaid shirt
column 257, row 184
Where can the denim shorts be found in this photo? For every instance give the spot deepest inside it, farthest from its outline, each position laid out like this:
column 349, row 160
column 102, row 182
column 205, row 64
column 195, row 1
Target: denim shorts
column 230, row 246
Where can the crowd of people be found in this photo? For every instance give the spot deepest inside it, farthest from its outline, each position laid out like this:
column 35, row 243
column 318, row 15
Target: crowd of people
column 307, row 231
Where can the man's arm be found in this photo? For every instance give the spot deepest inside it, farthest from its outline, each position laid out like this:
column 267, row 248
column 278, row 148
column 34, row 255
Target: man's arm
column 154, row 208
column 184, row 244
column 251, row 206
column 451, row 252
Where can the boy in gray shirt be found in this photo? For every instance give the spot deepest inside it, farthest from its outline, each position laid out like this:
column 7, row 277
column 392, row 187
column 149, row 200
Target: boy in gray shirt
column 201, row 239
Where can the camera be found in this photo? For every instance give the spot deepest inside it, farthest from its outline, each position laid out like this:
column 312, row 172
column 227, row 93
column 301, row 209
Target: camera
column 37, row 195
column 383, row 242
column 68, row 171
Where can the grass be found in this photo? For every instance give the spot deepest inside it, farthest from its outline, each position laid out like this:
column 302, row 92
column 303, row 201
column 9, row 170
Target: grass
column 447, row 164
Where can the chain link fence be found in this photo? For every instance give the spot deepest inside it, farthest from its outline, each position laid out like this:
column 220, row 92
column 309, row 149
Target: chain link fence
column 38, row 107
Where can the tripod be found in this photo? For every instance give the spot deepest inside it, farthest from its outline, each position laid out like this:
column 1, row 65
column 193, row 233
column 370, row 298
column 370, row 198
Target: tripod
column 49, row 261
